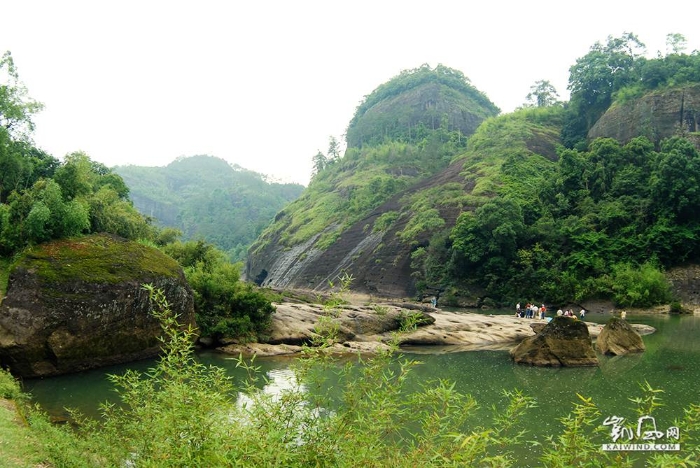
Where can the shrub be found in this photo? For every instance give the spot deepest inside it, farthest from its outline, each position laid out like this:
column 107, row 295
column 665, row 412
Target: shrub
column 642, row 286
column 9, row 387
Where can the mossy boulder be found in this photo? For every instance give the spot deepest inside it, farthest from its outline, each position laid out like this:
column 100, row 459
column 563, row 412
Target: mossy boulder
column 79, row 303
column 618, row 338
column 563, row 342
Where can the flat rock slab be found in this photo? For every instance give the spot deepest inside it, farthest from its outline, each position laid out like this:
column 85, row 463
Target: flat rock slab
column 366, row 329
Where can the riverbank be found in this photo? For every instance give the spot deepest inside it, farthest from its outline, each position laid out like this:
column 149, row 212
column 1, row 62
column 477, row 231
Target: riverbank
column 368, row 328
column 19, row 447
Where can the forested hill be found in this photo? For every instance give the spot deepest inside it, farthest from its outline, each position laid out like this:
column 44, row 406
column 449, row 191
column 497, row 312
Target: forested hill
column 541, row 204
column 207, row 198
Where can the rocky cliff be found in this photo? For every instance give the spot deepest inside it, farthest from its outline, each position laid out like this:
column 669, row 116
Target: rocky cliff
column 396, row 187
column 378, row 259
column 78, row 304
column 657, row 115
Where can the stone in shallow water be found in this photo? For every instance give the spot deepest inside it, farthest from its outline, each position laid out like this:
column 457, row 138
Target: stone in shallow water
column 618, row 338
column 563, row 342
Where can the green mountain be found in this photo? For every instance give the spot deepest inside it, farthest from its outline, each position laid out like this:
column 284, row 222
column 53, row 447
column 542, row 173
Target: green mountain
column 524, row 206
column 359, row 212
column 207, row 198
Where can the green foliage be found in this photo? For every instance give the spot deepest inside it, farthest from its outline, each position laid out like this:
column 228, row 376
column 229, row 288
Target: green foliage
column 77, row 197
column 93, row 259
column 4, row 275
column 385, row 221
column 409, row 121
column 595, row 77
column 425, row 220
column 224, row 306
column 16, row 107
column 9, row 387
column 542, row 94
column 616, row 72
column 348, row 190
column 642, row 286
column 562, row 229
column 207, row 198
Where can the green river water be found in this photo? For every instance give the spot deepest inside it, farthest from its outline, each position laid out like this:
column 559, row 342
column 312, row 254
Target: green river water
column 671, row 362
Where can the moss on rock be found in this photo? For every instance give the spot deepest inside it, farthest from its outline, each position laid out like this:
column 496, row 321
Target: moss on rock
column 99, row 258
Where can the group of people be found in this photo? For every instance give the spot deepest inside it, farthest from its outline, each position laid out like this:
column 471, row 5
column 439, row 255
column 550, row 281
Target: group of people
column 530, row 311
column 570, row 313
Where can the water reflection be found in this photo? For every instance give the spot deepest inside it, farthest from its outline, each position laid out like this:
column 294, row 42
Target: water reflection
column 617, row 367
column 276, row 383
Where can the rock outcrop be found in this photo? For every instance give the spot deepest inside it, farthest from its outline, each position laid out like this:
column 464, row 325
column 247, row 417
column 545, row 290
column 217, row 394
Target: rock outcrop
column 685, row 285
column 563, row 342
column 657, row 115
column 618, row 338
column 363, row 328
column 78, row 304
column 352, row 327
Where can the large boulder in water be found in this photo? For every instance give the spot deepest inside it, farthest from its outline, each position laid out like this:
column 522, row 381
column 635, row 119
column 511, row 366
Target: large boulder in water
column 618, row 337
column 563, row 342
column 79, row 303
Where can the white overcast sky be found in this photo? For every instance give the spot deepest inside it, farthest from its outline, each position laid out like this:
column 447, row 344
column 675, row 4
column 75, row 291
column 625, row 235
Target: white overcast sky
column 264, row 84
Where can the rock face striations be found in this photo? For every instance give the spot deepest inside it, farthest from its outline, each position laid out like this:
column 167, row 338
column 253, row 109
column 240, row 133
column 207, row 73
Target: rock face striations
column 78, row 304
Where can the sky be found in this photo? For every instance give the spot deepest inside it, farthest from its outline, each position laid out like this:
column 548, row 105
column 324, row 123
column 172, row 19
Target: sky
column 265, row 84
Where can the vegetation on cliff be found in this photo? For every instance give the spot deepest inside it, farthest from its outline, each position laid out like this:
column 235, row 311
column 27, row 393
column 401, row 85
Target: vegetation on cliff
column 538, row 211
column 378, row 167
column 601, row 222
column 618, row 71
column 416, row 102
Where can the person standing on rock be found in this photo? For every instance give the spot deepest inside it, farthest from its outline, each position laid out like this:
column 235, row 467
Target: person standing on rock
column 582, row 313
column 517, row 309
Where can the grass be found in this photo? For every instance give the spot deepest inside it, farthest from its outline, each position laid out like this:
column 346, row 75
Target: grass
column 19, row 447
column 4, row 275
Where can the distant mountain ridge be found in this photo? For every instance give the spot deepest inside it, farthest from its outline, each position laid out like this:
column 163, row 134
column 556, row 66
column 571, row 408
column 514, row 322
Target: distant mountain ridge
column 208, row 198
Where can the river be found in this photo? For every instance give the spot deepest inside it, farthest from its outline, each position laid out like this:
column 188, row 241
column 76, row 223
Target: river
column 671, row 362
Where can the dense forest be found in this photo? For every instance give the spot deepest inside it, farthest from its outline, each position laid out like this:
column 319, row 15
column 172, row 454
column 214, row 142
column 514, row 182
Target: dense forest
column 542, row 210
column 209, row 199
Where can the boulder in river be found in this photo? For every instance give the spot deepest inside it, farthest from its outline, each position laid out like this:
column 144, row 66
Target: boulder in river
column 76, row 304
column 618, row 338
column 564, row 341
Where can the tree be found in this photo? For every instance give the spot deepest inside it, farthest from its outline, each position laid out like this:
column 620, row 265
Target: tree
column 320, row 162
column 76, row 176
column 675, row 43
column 676, row 178
column 16, row 107
column 594, row 78
column 542, row 94
column 333, row 149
